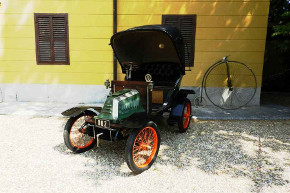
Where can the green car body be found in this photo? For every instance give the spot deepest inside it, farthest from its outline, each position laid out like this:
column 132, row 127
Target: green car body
column 121, row 105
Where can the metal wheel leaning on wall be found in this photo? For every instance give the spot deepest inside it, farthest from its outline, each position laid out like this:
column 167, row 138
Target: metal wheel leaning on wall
column 228, row 85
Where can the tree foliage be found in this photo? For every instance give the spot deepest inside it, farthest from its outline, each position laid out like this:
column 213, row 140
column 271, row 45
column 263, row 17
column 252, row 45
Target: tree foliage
column 276, row 70
column 279, row 23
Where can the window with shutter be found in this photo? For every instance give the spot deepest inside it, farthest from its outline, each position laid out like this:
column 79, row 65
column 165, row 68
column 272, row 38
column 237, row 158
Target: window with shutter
column 187, row 26
column 51, row 37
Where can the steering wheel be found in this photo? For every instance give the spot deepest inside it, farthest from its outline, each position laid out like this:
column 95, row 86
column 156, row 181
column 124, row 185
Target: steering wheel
column 128, row 64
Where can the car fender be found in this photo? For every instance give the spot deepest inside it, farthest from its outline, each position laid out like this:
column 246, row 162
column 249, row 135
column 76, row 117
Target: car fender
column 75, row 111
column 177, row 110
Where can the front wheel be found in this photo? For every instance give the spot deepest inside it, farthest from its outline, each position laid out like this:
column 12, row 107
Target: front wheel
column 142, row 148
column 78, row 135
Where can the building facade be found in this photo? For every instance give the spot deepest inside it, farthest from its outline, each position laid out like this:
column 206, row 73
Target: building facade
column 57, row 50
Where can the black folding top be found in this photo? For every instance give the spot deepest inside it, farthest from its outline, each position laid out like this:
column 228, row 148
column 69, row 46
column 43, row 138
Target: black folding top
column 154, row 49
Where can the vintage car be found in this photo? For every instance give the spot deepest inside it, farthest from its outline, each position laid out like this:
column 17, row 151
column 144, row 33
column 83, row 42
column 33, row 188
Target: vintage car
column 153, row 59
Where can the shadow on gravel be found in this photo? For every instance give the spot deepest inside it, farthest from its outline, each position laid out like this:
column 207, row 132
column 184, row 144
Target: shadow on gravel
column 258, row 150
column 108, row 160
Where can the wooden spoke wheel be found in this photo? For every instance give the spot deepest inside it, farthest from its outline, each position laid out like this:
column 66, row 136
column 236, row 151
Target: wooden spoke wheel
column 184, row 120
column 142, row 147
column 76, row 136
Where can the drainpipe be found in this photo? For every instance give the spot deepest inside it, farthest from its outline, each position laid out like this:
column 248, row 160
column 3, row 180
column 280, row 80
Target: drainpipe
column 115, row 14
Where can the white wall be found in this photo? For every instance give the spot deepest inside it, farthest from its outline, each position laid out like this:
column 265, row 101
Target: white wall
column 62, row 93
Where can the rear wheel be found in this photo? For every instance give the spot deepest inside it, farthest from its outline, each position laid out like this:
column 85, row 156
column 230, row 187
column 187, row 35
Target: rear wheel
column 184, row 120
column 142, row 148
column 76, row 134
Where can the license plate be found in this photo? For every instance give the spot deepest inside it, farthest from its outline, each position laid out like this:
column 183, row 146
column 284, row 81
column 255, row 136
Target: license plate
column 103, row 123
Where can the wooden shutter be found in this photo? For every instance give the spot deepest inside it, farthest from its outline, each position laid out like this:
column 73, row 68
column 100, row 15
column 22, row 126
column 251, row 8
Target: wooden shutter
column 187, row 26
column 51, row 36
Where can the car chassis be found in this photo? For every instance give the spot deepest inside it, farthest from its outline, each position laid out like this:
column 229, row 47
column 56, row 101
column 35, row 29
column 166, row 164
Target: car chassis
column 153, row 59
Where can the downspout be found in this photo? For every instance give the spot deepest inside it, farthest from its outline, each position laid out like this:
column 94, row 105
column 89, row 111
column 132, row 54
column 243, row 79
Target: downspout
column 115, row 15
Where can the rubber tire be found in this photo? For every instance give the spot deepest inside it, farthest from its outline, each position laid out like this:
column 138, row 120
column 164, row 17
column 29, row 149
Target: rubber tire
column 180, row 119
column 67, row 130
column 129, row 147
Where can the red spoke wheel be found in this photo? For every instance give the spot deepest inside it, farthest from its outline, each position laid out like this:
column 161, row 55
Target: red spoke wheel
column 142, row 147
column 184, row 120
column 75, row 134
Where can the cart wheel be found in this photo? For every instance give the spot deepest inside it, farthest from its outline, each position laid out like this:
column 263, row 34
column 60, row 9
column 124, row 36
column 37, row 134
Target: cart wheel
column 142, row 148
column 184, row 120
column 75, row 136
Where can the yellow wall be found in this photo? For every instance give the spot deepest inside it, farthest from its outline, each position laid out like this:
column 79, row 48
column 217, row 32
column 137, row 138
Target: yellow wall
column 224, row 27
column 90, row 27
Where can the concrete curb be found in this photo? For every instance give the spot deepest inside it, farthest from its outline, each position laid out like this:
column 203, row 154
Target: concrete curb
column 266, row 112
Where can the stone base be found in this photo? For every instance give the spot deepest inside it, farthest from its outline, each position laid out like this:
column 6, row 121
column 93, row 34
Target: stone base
column 53, row 93
column 255, row 100
column 78, row 93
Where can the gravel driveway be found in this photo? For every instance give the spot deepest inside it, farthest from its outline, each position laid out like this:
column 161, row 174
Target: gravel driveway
column 213, row 156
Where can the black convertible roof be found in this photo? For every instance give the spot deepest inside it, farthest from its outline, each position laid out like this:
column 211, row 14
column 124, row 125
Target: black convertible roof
column 150, row 44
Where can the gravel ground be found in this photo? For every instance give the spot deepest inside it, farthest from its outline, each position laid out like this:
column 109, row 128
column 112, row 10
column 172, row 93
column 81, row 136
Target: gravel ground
column 213, row 156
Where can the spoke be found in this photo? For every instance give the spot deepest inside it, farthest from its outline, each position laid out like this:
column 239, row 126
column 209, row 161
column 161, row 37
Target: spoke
column 77, row 138
column 143, row 137
column 79, row 141
column 136, row 157
column 137, row 149
column 144, row 156
column 141, row 158
column 151, row 142
column 83, row 140
column 150, row 136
